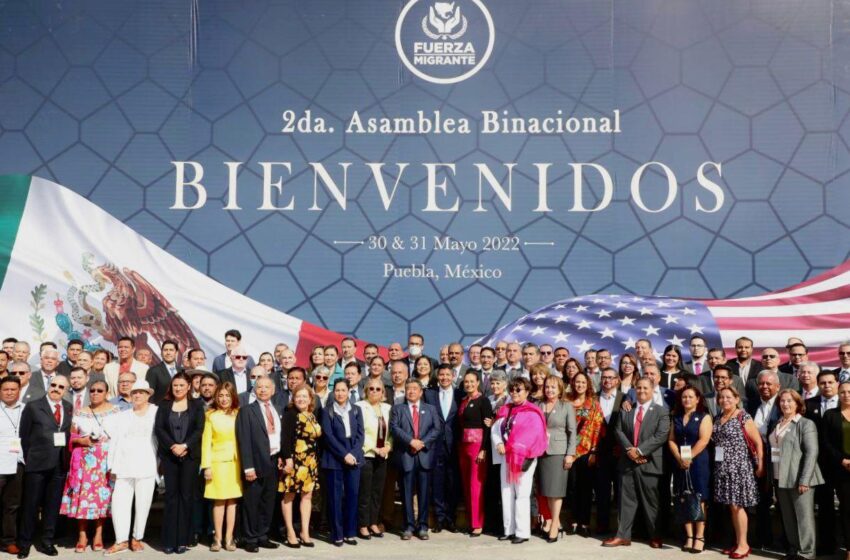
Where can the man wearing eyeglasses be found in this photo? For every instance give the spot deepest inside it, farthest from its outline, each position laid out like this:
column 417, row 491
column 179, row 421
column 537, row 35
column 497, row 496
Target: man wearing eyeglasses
column 843, row 372
column 28, row 393
column 547, row 356
column 238, row 372
column 45, row 428
column 125, row 385
column 797, row 354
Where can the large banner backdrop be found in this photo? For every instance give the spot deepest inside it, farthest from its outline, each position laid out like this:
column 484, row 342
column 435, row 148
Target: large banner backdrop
column 583, row 172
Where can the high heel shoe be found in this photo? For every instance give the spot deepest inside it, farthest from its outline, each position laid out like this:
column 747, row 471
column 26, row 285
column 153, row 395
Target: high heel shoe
column 686, row 548
column 557, row 537
column 738, row 555
column 694, row 549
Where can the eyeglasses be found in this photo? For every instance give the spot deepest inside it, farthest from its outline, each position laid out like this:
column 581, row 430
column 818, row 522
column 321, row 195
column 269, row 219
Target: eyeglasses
column 374, row 389
column 57, row 386
column 517, row 389
column 844, row 353
column 769, row 356
column 240, row 357
column 97, row 390
column 546, row 352
column 322, row 377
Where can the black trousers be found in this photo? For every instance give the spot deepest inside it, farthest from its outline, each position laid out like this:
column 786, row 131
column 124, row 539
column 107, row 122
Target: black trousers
column 181, row 483
column 372, row 478
column 42, row 489
column 583, row 474
column 10, row 500
column 202, row 520
column 764, row 523
column 825, row 500
column 445, row 489
column 606, row 481
column 843, row 488
column 493, row 501
column 257, row 507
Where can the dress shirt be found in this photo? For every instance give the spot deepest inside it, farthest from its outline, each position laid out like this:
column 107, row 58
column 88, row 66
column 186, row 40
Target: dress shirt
column 763, row 415
column 417, row 404
column 828, row 404
column 342, row 412
column 809, row 394
column 10, row 422
column 354, row 394
column 398, row 395
column 81, row 394
column 743, row 371
column 657, row 397
column 241, row 379
column 606, row 402
column 645, row 406
column 22, row 393
column 53, row 404
column 172, row 369
column 446, row 396
column 121, row 402
column 274, row 437
column 46, row 379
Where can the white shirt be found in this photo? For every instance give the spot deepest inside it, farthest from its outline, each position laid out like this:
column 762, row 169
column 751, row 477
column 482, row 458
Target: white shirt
column 606, row 402
column 53, row 404
column 763, row 415
column 657, row 397
column 744, row 371
column 417, row 404
column 10, row 423
column 342, row 412
column 809, row 394
column 645, row 406
column 172, row 368
column 241, row 378
column 446, row 401
column 82, row 395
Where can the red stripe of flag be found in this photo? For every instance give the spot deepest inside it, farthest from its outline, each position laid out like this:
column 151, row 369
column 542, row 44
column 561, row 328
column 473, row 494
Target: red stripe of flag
column 841, row 292
column 819, row 355
column 803, row 322
column 312, row 335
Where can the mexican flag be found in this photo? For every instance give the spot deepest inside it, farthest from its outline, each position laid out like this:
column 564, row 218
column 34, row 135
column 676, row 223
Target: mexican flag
column 68, row 269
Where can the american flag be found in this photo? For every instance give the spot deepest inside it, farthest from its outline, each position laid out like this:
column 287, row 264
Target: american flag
column 817, row 311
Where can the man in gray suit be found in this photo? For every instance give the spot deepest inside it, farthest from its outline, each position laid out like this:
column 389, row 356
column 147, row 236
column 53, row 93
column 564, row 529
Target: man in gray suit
column 642, row 433
column 28, row 392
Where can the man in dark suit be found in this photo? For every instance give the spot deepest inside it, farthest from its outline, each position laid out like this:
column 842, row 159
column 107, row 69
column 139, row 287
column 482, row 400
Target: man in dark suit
column 816, row 407
column 48, row 361
column 348, row 349
column 415, row 426
column 238, row 373
column 357, row 385
column 232, row 339
column 744, row 366
column 786, row 381
column 606, row 480
column 456, row 361
column 445, row 487
column 159, row 376
column 642, row 433
column 73, row 349
column 258, row 428
column 45, row 428
column 765, row 412
column 843, row 371
column 797, row 354
column 416, row 349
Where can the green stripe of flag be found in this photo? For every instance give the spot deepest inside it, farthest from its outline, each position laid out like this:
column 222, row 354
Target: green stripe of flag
column 13, row 198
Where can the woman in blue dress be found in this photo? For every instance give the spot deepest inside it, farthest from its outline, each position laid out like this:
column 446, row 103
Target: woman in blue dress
column 689, row 438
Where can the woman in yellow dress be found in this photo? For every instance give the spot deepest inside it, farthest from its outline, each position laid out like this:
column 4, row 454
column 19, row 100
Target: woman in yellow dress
column 220, row 463
column 300, row 433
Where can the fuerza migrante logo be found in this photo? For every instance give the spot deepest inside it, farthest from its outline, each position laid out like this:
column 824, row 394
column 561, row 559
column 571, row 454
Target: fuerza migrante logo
column 444, row 42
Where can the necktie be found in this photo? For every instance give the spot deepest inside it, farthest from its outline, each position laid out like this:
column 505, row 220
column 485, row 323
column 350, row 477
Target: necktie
column 78, row 402
column 638, row 422
column 269, row 419
column 382, row 430
column 353, row 395
column 415, row 422
column 698, row 368
column 57, row 414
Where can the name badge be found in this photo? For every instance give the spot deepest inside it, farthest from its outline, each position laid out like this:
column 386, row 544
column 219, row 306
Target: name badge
column 718, row 454
column 685, row 452
column 59, row 439
column 774, row 454
column 15, row 445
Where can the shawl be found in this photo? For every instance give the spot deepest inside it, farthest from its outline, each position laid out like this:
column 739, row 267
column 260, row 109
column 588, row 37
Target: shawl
column 527, row 439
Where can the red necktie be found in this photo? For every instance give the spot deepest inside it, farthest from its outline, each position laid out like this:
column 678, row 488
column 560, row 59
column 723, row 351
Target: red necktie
column 638, row 422
column 415, row 422
column 57, row 414
column 269, row 419
column 77, row 403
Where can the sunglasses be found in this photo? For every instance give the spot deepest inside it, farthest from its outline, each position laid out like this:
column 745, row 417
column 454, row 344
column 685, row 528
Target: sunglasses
column 375, row 389
column 546, row 353
column 97, row 390
column 517, row 389
column 322, row 377
column 844, row 353
column 57, row 386
column 240, row 357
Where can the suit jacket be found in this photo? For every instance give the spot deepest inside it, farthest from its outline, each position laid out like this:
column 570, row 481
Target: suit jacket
column 755, row 368
column 561, row 429
column 753, row 407
column 30, row 394
column 833, row 440
column 219, row 364
column 446, row 441
column 228, row 375
column 252, row 437
column 64, row 367
column 335, row 445
column 669, row 396
column 799, row 456
column 159, row 379
column 37, row 381
column 37, row 428
column 652, row 438
column 70, row 398
column 164, row 436
column 112, row 370
column 785, row 382
column 401, row 427
column 786, row 367
column 605, row 447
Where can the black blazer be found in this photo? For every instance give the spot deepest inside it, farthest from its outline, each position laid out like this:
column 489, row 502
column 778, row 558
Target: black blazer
column 37, row 428
column 253, row 438
column 833, row 442
column 608, row 437
column 164, row 436
column 755, row 368
column 159, row 379
column 474, row 414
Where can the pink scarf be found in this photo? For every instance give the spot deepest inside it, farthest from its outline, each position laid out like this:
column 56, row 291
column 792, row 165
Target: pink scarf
column 527, row 439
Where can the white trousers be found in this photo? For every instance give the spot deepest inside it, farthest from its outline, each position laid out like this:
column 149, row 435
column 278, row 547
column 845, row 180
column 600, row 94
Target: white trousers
column 122, row 504
column 516, row 502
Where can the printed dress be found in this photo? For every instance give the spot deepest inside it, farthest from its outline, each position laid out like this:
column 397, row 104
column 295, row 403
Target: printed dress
column 734, row 478
column 88, row 489
column 301, row 444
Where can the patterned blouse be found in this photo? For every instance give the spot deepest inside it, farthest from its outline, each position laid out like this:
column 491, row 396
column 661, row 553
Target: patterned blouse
column 589, row 426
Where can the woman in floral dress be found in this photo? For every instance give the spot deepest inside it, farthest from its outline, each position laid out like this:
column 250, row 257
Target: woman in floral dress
column 300, row 432
column 88, row 488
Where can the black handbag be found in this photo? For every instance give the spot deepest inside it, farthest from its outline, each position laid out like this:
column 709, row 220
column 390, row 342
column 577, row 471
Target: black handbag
column 688, row 504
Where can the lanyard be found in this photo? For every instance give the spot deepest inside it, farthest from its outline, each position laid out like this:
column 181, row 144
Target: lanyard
column 11, row 421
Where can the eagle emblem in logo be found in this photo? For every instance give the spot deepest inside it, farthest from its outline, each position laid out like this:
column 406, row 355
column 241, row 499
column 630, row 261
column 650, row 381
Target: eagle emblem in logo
column 442, row 20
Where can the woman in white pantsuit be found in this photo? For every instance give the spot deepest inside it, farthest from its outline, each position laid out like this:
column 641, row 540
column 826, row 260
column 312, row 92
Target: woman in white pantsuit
column 132, row 462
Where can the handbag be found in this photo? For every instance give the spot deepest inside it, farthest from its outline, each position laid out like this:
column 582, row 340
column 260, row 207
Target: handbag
column 688, row 504
column 751, row 446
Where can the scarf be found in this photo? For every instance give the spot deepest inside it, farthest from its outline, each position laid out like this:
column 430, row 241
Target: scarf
column 525, row 436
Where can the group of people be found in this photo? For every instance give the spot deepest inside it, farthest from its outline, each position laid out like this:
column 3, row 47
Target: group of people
column 518, row 433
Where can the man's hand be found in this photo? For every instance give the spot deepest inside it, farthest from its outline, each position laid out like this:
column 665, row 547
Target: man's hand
column 417, row 445
column 250, row 475
column 501, row 448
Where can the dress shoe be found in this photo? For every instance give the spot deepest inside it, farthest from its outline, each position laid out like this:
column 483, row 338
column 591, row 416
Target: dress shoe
column 450, row 527
column 308, row 544
column 406, row 536
column 422, row 535
column 168, row 550
column 49, row 550
column 349, row 540
column 656, row 543
column 438, row 528
column 24, row 552
column 616, row 541
column 251, row 547
column 183, row 549
column 288, row 544
column 193, row 542
column 13, row 549
column 518, row 540
column 506, row 537
column 338, row 543
column 268, row 544
column 583, row 532
column 377, row 535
